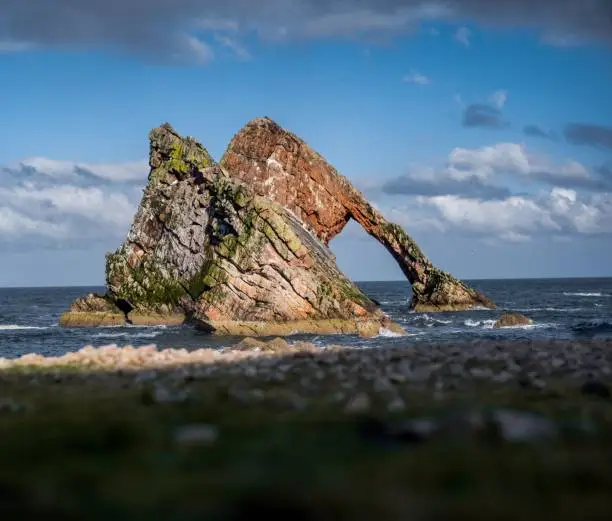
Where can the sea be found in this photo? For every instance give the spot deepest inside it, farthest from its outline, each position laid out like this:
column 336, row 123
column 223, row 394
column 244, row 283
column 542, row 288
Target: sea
column 560, row 309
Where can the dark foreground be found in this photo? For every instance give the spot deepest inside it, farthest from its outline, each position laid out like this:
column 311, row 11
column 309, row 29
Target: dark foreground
column 292, row 432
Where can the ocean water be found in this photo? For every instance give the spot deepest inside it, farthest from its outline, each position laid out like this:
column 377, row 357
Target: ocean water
column 560, row 309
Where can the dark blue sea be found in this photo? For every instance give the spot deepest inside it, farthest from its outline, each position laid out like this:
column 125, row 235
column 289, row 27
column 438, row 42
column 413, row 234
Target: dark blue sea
column 560, row 309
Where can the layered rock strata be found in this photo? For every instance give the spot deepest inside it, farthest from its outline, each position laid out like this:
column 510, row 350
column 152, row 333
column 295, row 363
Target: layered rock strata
column 205, row 249
column 280, row 166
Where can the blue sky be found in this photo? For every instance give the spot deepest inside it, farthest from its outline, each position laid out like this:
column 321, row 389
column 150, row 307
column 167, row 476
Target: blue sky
column 487, row 135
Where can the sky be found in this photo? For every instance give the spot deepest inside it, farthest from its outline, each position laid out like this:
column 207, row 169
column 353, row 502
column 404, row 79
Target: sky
column 483, row 128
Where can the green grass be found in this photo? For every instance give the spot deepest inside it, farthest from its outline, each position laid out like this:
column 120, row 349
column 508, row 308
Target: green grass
column 98, row 448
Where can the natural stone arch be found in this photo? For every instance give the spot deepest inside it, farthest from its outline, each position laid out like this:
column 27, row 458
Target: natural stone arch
column 277, row 164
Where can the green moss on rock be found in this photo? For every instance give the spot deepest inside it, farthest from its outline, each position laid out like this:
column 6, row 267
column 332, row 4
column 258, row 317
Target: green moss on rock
column 148, row 286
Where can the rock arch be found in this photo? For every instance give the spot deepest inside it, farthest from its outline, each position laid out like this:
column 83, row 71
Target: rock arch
column 279, row 165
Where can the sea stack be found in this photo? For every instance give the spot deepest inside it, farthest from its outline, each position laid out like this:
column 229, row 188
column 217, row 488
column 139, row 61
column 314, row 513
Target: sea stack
column 241, row 247
column 204, row 248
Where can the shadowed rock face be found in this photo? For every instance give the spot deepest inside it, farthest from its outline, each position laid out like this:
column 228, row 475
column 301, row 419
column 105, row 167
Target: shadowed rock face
column 278, row 165
column 203, row 247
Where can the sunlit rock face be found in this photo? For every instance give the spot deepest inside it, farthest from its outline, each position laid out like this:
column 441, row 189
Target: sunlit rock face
column 280, row 166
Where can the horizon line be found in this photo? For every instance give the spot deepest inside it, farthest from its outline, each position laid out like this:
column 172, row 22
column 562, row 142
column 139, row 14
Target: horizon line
column 76, row 286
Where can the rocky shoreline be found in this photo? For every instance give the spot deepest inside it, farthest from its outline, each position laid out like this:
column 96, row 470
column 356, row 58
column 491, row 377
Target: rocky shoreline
column 273, row 428
column 446, row 366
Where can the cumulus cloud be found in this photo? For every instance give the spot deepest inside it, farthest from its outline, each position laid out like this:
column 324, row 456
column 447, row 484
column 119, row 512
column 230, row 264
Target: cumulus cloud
column 560, row 212
column 484, row 173
column 511, row 158
column 482, row 115
column 171, row 28
column 48, row 203
column 416, row 77
column 477, row 193
column 585, row 134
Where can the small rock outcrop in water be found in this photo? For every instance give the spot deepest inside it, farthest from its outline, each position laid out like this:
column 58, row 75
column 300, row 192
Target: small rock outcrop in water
column 282, row 167
column 512, row 320
column 204, row 248
column 98, row 310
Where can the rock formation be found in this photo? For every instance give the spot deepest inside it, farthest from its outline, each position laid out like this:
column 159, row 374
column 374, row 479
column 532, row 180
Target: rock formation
column 512, row 320
column 280, row 166
column 204, row 248
column 241, row 247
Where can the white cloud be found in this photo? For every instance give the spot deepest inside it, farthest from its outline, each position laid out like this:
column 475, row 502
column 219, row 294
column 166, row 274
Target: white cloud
column 516, row 214
column 92, row 203
column 498, row 98
column 510, row 158
column 15, row 225
column 48, row 202
column 129, row 171
column 416, row 77
column 517, row 218
column 462, row 35
column 198, row 50
column 472, row 194
column 486, row 161
column 489, row 173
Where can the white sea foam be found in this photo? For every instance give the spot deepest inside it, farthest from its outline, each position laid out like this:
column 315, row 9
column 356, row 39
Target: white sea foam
column 479, row 308
column 388, row 333
column 126, row 334
column 16, row 327
column 429, row 321
column 131, row 326
column 485, row 324
column 585, row 294
column 489, row 324
column 548, row 309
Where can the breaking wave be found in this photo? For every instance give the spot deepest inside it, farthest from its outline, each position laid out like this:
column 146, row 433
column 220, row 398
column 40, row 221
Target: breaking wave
column 153, row 334
column 593, row 327
column 388, row 333
column 526, row 310
column 16, row 327
column 585, row 294
column 427, row 321
column 485, row 324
